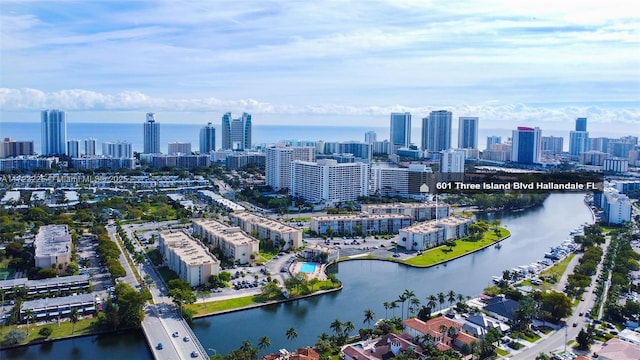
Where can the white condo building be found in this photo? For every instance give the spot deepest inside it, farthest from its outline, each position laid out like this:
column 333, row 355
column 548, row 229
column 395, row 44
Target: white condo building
column 432, row 233
column 361, row 224
column 416, row 211
column 151, row 135
column 616, row 206
column 232, row 242
column 73, row 148
column 452, row 161
column 278, row 163
column 179, row 148
column 90, row 147
column 52, row 245
column 389, row 181
column 327, row 181
column 282, row 236
column 185, row 255
column 117, row 150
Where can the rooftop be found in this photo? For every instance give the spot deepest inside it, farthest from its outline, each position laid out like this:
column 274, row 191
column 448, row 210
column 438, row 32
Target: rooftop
column 265, row 222
column 426, row 227
column 57, row 302
column 619, row 350
column 419, row 205
column 361, row 216
column 191, row 251
column 52, row 239
column 230, row 234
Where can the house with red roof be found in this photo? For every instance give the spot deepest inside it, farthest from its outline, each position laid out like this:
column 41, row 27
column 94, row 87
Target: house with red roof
column 444, row 333
column 387, row 347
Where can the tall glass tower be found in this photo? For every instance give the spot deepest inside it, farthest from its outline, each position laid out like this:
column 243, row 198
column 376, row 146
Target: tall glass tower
column 579, row 139
column 467, row 132
column 236, row 133
column 53, row 130
column 436, row 131
column 151, row 135
column 400, row 131
column 207, row 139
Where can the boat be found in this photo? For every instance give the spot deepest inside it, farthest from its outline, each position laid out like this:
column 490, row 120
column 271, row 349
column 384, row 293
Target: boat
column 498, row 246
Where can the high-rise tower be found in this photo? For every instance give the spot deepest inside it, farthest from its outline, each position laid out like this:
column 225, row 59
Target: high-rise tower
column 526, row 145
column 436, row 131
column 53, row 127
column 467, row 132
column 207, row 139
column 400, row 135
column 579, row 139
column 151, row 135
column 236, row 133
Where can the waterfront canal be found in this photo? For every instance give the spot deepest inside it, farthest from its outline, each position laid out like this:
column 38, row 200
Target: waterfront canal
column 367, row 285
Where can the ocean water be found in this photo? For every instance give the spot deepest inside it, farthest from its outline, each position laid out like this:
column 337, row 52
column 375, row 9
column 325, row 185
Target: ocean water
column 262, row 134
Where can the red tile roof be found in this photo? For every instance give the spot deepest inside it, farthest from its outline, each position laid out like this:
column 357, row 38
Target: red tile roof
column 432, row 326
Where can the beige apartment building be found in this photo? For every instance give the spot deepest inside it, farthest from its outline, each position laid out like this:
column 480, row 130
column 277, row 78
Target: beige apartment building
column 427, row 234
column 189, row 258
column 231, row 241
column 417, row 211
column 367, row 224
column 53, row 246
column 281, row 235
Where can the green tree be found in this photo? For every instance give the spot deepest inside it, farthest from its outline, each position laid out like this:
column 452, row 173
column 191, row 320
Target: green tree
column 15, row 337
column 74, row 316
column 369, row 316
column 336, row 326
column 45, row 331
column 130, row 305
column 291, row 334
column 264, row 342
column 29, row 315
column 451, row 297
column 556, row 304
column 182, row 296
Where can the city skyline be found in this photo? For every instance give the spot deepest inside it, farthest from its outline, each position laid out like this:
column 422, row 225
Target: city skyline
column 288, row 64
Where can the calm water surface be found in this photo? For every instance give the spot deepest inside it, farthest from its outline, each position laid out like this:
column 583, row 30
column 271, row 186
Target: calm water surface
column 367, row 285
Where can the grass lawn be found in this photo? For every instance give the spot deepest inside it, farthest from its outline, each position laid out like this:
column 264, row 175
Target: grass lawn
column 502, row 352
column 533, row 338
column 167, row 274
column 558, row 269
column 228, row 304
column 155, row 256
column 463, row 247
column 83, row 327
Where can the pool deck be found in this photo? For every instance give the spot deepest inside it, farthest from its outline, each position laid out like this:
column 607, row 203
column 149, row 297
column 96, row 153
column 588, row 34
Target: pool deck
column 319, row 273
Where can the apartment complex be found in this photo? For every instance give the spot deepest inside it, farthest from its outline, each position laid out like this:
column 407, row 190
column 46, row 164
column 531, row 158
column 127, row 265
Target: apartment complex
column 417, row 211
column 185, row 255
column 425, row 235
column 57, row 307
column 328, row 181
column 278, row 163
column 52, row 245
column 232, row 242
column 281, row 235
column 11, row 148
column 45, row 287
column 388, row 181
column 236, row 133
column 361, row 224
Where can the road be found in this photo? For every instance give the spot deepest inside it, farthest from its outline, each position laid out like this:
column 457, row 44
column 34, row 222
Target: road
column 556, row 342
column 161, row 320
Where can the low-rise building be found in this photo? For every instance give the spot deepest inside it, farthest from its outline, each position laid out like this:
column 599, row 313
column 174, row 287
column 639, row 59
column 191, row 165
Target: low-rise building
column 45, row 287
column 616, row 349
column 361, row 224
column 185, row 255
column 232, row 242
column 52, row 245
column 321, row 253
column 418, row 211
column 281, row 235
column 57, row 307
column 428, row 234
column 444, row 333
column 388, row 346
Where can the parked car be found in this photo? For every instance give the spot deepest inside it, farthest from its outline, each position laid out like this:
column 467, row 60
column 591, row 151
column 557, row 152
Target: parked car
column 194, row 354
column 185, row 339
column 159, row 347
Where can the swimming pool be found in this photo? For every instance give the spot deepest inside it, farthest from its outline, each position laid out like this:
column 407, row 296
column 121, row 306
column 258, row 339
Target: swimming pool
column 307, row 267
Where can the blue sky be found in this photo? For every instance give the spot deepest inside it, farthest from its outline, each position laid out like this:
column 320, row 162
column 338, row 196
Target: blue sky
column 340, row 62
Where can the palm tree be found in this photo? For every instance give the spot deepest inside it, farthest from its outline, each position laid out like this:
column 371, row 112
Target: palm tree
column 402, row 298
column 348, row 327
column 408, row 294
column 74, row 319
column 386, row 305
column 451, row 297
column 441, row 299
column 264, row 342
column 28, row 314
column 369, row 315
column 323, row 336
column 394, row 306
column 414, row 304
column 432, row 301
column 336, row 326
column 291, row 334
column 460, row 298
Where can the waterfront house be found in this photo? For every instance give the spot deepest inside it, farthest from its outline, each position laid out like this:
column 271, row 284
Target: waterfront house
column 387, row 347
